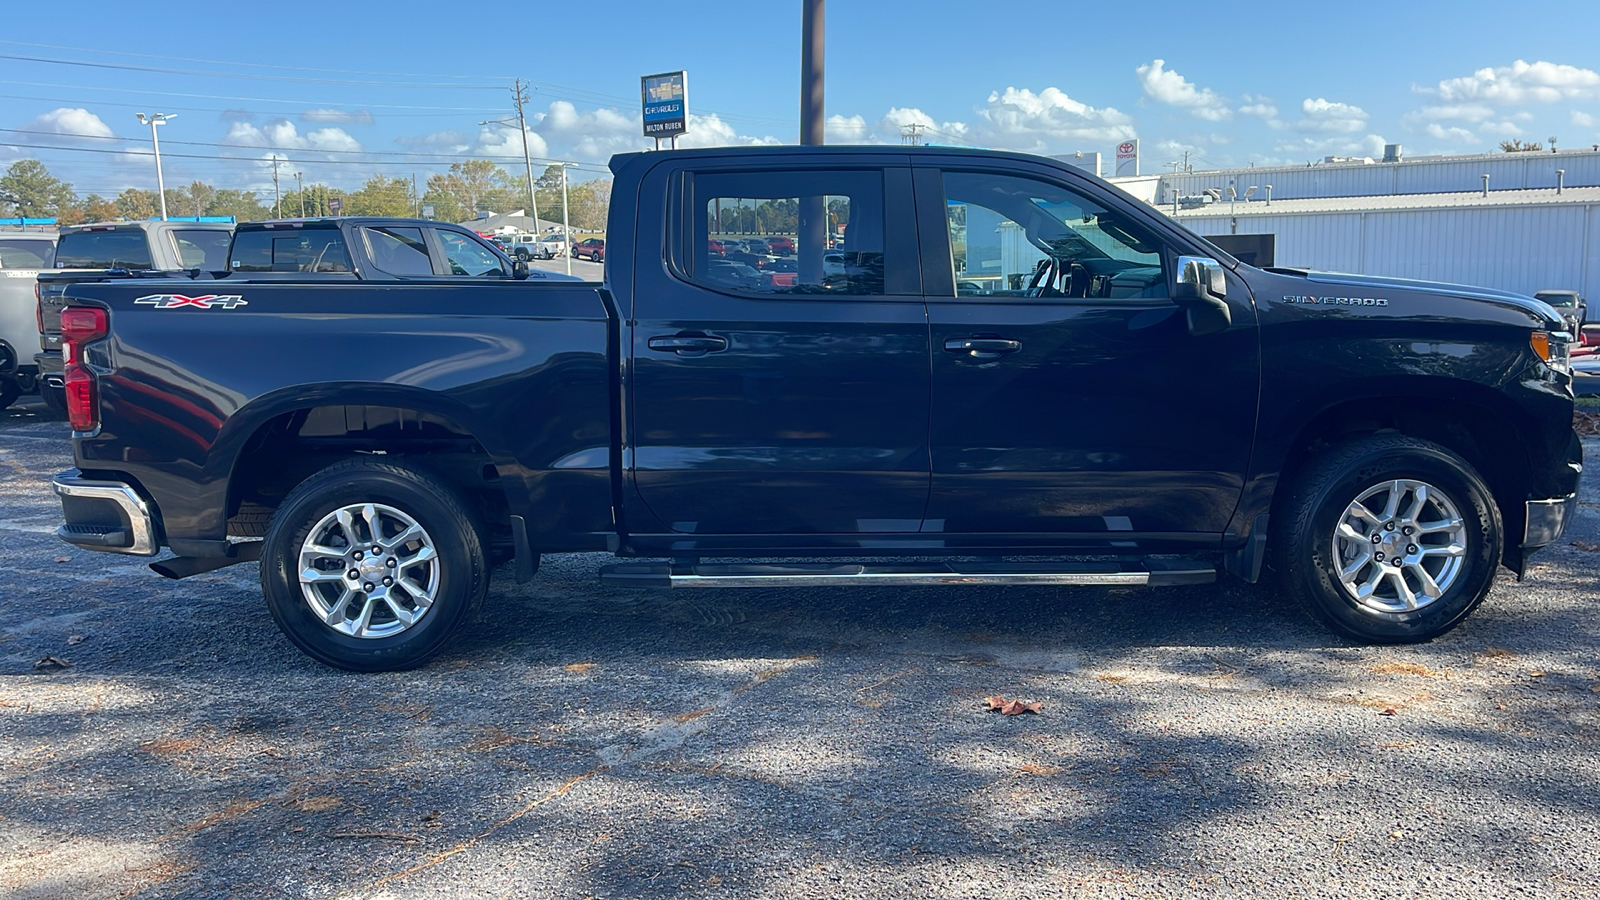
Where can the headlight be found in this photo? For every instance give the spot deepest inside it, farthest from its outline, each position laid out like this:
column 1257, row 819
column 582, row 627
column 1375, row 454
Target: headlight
column 1554, row 347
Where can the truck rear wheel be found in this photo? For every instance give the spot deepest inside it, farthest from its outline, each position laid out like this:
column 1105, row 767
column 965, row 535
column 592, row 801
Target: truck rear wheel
column 372, row 566
column 1388, row 539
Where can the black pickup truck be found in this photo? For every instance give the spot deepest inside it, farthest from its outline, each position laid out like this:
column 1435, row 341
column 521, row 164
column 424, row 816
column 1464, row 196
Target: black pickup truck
column 1015, row 374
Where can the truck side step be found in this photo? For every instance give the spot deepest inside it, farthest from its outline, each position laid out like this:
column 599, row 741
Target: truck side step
column 1154, row 572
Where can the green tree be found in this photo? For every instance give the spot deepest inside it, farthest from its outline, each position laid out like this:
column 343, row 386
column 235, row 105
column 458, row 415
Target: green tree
column 136, row 204
column 469, row 186
column 28, row 189
column 96, row 208
column 382, row 196
column 588, row 205
column 198, row 201
column 242, row 205
column 1517, row 146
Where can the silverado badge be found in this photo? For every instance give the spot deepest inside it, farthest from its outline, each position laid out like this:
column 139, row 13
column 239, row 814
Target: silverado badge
column 203, row 301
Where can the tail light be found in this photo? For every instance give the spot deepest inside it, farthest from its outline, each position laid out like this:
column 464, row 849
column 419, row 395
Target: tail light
column 79, row 326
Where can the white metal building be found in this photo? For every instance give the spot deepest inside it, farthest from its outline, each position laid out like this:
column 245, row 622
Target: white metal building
column 1366, row 178
column 1518, row 240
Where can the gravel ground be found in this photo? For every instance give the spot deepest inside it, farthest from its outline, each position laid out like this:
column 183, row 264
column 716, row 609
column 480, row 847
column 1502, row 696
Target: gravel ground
column 583, row 742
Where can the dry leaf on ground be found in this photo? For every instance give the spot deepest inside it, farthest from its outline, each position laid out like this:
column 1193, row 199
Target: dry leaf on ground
column 1012, row 707
column 1389, row 711
column 1587, row 546
column 52, row 663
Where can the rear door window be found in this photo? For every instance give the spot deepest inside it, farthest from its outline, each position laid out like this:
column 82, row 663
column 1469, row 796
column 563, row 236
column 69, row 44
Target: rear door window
column 15, row 254
column 746, row 212
column 290, row 250
column 104, row 250
column 398, row 250
column 199, row 248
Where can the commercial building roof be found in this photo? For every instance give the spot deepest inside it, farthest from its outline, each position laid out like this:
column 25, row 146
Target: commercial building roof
column 1460, row 200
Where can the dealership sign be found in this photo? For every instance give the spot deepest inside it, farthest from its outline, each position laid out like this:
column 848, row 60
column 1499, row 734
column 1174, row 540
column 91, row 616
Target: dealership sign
column 1128, row 157
column 666, row 104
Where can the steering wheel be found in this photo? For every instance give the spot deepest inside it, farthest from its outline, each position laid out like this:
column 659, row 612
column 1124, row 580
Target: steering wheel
column 1043, row 281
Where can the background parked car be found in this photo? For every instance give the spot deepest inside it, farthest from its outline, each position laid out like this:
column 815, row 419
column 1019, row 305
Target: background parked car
column 22, row 255
column 1571, row 307
column 593, row 248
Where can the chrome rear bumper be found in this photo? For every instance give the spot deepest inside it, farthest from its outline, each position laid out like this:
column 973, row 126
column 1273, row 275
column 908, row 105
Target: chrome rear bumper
column 104, row 515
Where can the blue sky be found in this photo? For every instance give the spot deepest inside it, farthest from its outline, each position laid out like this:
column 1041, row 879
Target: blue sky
column 343, row 91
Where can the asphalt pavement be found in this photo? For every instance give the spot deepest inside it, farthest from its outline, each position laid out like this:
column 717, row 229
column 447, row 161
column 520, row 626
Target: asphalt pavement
column 161, row 739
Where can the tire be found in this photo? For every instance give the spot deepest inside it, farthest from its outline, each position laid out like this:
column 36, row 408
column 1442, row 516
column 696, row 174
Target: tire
column 379, row 640
column 55, row 401
column 9, row 391
column 1385, row 471
column 522, row 254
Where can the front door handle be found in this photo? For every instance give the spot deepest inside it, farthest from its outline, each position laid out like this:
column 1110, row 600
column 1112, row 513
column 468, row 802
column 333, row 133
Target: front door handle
column 982, row 348
column 687, row 344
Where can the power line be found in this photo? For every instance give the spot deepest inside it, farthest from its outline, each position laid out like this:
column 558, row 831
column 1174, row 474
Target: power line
column 213, row 109
column 122, row 90
column 223, row 62
column 442, row 160
column 251, row 76
column 420, row 157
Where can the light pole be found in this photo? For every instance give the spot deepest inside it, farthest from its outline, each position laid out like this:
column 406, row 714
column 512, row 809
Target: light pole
column 155, row 142
column 566, row 221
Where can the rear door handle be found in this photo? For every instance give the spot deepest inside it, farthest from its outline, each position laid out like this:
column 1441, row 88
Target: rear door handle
column 687, row 344
column 982, row 348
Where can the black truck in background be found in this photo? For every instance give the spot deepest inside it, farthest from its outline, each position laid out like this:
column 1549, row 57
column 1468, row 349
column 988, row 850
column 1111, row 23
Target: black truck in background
column 1013, row 373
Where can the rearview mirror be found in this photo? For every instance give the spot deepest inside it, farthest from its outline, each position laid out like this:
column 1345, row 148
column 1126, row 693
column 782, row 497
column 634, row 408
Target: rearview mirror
column 1201, row 288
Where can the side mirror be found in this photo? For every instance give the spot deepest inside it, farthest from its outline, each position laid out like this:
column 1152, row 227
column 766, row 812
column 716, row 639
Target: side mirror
column 519, row 269
column 1201, row 289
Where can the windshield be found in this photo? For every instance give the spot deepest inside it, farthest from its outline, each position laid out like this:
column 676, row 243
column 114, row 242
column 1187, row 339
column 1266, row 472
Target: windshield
column 21, row 254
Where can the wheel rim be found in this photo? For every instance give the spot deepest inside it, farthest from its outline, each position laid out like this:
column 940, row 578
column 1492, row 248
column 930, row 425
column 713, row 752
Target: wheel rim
column 1399, row 546
column 369, row 571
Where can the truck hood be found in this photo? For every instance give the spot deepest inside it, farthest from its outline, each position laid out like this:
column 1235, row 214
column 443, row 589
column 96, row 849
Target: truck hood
column 1466, row 292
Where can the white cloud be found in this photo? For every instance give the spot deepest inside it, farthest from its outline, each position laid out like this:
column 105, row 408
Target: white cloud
column 1502, row 129
column 1049, row 121
column 1325, row 115
column 848, row 130
column 711, row 131
column 1368, row 145
column 1583, row 119
column 1522, row 82
column 893, row 121
column 70, row 122
column 281, row 134
column 1166, row 86
column 1261, row 109
column 337, row 116
column 1452, row 133
column 498, row 140
column 1465, row 112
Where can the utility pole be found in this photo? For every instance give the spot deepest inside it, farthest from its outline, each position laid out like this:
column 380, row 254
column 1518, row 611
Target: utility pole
column 300, row 188
column 277, row 195
column 521, row 96
column 813, row 218
column 416, row 198
column 911, row 133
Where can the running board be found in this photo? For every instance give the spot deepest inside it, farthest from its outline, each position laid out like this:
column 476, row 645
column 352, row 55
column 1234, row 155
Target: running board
column 1158, row 572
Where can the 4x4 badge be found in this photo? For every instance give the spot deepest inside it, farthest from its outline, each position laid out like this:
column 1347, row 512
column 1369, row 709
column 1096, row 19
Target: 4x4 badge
column 203, row 301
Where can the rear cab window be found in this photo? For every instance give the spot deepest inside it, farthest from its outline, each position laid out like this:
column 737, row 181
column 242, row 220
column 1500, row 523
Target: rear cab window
column 108, row 249
column 290, row 250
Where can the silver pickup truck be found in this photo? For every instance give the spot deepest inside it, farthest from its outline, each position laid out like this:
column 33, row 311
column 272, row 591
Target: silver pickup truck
column 22, row 255
column 111, row 251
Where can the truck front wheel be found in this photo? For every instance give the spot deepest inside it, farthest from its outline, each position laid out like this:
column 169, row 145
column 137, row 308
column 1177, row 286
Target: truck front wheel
column 1388, row 539
column 372, row 566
